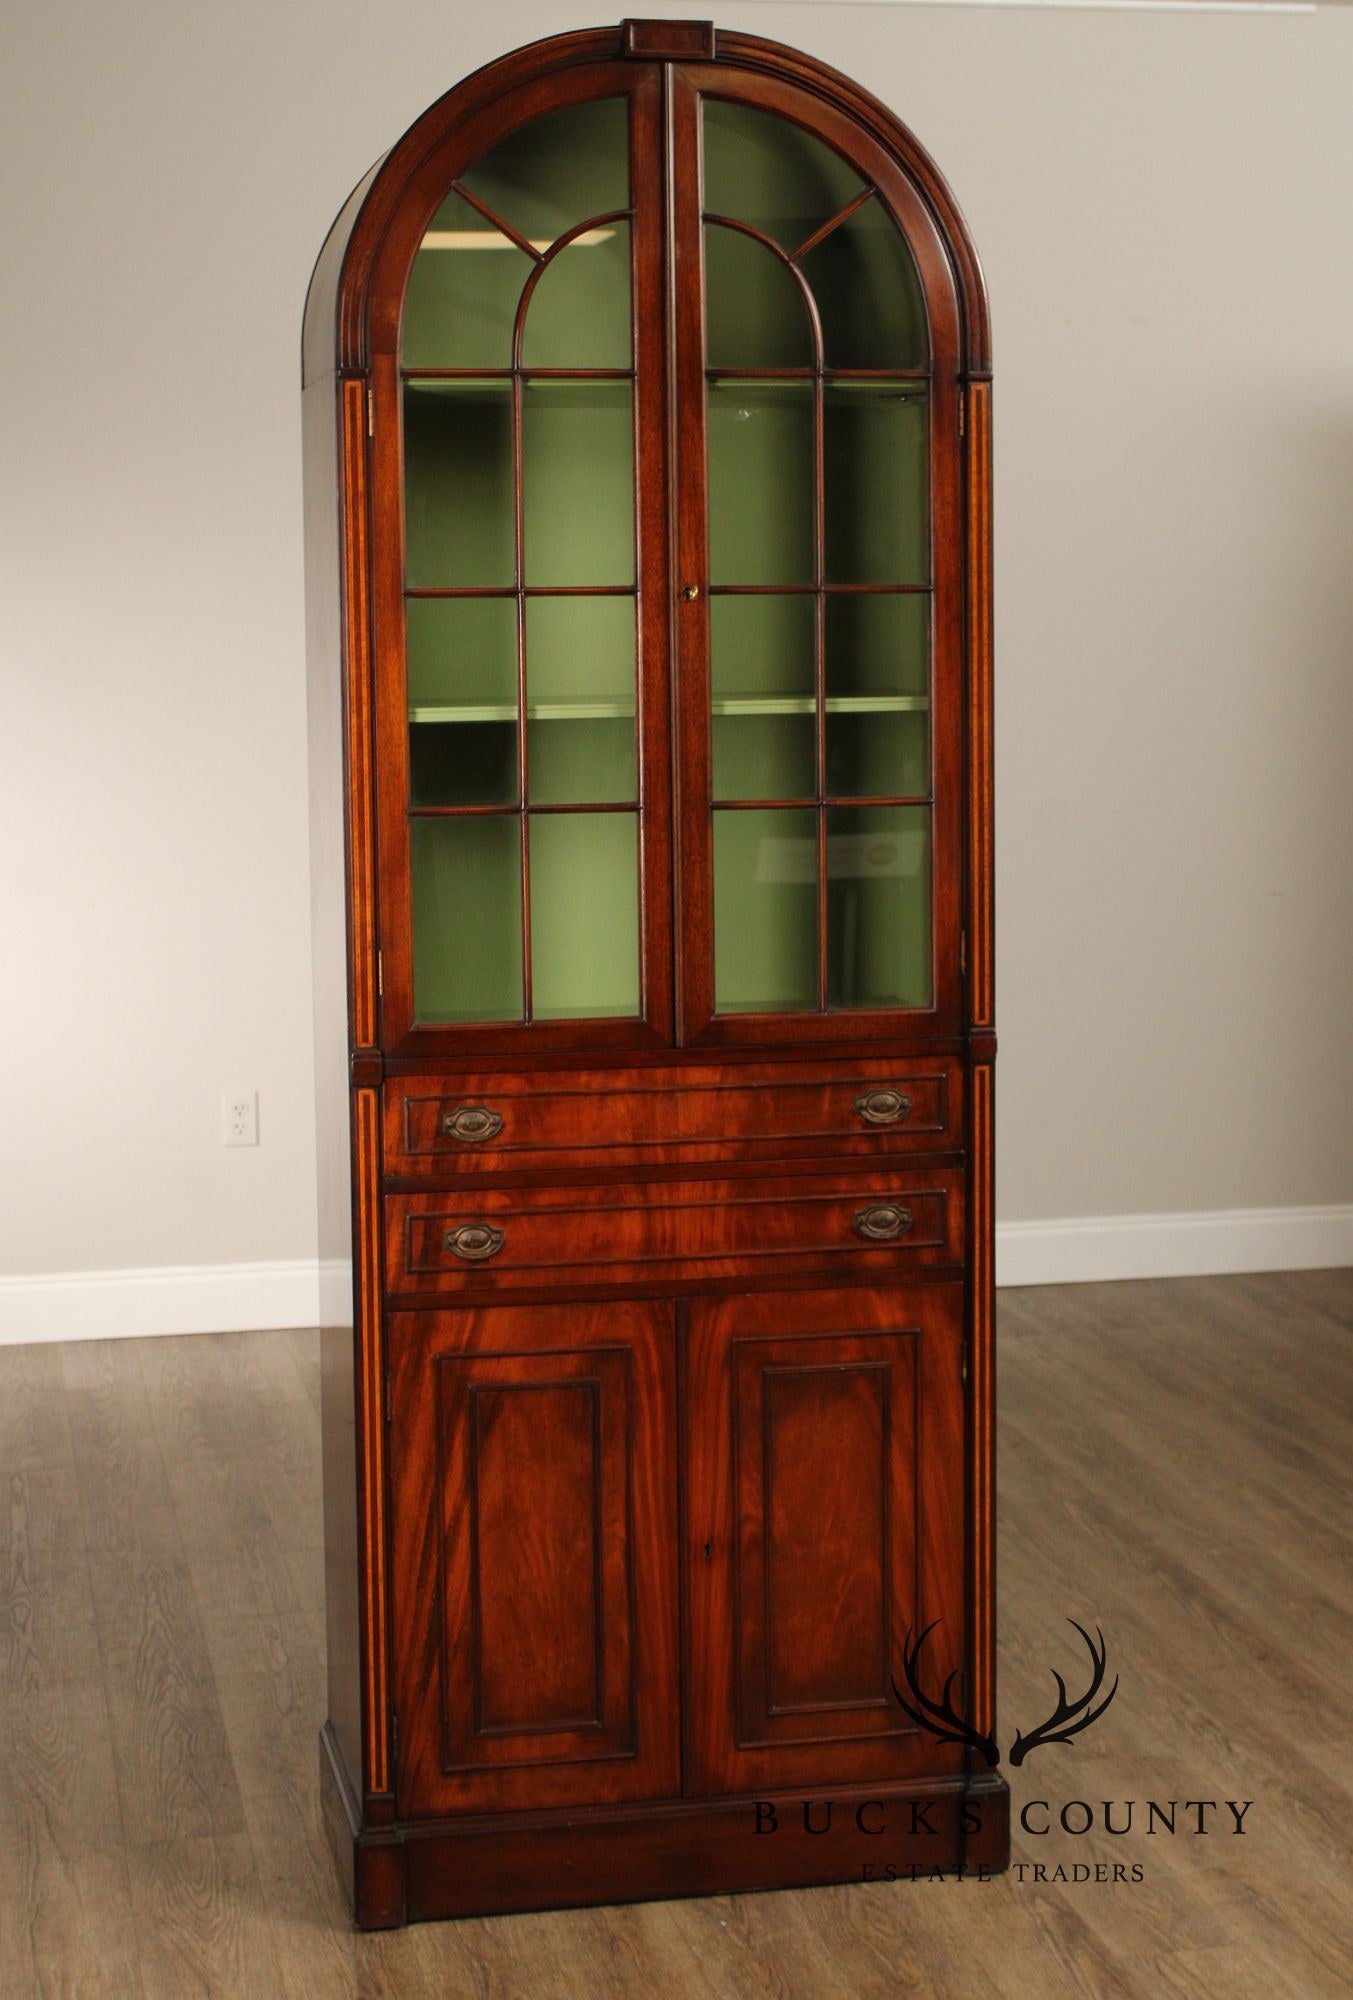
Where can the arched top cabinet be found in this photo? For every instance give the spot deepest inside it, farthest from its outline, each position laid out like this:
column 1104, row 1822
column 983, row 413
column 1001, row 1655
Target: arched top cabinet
column 665, row 340
column 646, row 419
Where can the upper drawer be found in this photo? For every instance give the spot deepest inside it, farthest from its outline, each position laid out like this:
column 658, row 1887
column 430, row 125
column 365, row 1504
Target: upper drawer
column 498, row 1122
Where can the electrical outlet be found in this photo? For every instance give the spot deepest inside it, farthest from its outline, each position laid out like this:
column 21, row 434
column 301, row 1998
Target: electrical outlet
column 239, row 1117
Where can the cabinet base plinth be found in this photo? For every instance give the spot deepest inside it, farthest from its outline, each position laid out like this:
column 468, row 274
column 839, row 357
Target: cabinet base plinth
column 490, row 1865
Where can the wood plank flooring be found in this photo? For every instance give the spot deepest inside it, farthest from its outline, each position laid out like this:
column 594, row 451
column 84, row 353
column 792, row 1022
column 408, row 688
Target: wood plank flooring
column 1174, row 1468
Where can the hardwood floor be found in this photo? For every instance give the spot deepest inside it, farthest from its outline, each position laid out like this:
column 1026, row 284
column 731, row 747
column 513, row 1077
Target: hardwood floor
column 1174, row 1465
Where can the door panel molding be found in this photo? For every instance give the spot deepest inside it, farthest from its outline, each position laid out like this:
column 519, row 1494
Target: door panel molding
column 534, row 1487
column 803, row 1579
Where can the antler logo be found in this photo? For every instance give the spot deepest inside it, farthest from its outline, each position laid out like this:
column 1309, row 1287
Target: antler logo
column 939, row 1717
column 1067, row 1720
column 1069, row 1717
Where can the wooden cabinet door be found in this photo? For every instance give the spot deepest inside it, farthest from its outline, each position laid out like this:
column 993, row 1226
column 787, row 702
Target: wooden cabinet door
column 819, row 543
column 825, row 1461
column 534, row 1585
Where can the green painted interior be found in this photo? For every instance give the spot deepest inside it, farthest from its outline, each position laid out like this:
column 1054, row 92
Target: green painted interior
column 467, row 933
column 584, row 915
column 542, row 180
column 765, row 911
column 763, row 646
column 878, row 906
column 576, row 449
column 756, row 315
column 762, row 170
column 579, row 315
column 877, row 522
column 875, row 530
column 577, row 457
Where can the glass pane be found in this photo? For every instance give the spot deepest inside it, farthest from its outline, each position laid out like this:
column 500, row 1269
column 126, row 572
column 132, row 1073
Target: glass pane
column 876, row 444
column 467, row 918
column 765, row 911
column 760, row 447
column 761, row 675
column 584, row 915
column 557, row 170
column 878, row 703
column 868, row 294
column 878, row 906
column 578, row 480
column 579, row 314
column 463, row 290
column 770, row 173
column 580, row 679
column 458, row 505
column 462, row 701
column 755, row 312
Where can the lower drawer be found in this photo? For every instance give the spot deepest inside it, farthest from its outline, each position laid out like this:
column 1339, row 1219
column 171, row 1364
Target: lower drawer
column 479, row 1241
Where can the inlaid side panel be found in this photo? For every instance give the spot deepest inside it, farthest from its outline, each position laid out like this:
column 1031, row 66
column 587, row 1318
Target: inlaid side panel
column 982, row 1409
column 364, row 965
column 825, row 1522
column 980, row 923
column 534, row 1608
column 371, row 1404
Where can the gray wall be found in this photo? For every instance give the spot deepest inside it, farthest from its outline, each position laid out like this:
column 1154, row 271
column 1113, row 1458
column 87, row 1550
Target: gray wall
column 1163, row 204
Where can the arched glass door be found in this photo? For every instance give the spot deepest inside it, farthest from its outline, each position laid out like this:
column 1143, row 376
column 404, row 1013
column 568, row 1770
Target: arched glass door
column 673, row 426
column 531, row 620
column 817, row 659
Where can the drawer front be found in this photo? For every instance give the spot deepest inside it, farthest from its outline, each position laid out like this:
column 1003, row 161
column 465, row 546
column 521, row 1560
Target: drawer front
column 486, row 1240
column 494, row 1123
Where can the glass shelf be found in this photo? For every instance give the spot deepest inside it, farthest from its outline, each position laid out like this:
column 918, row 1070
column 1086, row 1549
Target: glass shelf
column 805, row 704
column 536, row 711
column 752, row 704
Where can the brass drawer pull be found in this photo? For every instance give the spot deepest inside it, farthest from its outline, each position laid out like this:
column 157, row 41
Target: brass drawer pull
column 474, row 1241
column 883, row 1107
column 471, row 1123
column 882, row 1222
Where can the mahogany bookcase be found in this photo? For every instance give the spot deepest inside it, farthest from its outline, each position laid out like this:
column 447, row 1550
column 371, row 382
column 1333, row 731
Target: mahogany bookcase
column 646, row 417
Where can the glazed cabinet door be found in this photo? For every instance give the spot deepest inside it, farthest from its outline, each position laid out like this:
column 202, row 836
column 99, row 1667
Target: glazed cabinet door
column 533, row 1588
column 820, row 619
column 520, row 602
column 824, row 1442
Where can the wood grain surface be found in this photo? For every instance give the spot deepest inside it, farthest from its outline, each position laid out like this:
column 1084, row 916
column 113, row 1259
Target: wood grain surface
column 1173, row 1468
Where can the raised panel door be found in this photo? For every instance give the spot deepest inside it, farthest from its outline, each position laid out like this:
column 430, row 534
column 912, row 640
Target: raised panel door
column 824, row 1461
column 535, row 1513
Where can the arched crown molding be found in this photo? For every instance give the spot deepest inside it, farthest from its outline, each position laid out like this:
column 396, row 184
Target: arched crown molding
column 337, row 313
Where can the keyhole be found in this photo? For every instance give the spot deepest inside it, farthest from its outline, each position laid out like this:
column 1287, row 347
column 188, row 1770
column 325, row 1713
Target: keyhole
column 709, row 1551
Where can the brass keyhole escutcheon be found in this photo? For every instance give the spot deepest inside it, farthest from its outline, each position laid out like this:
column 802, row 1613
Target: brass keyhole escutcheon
column 691, row 592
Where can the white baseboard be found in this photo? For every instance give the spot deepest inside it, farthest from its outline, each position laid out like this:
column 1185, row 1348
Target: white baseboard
column 169, row 1298
column 1099, row 1248
column 225, row 1298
